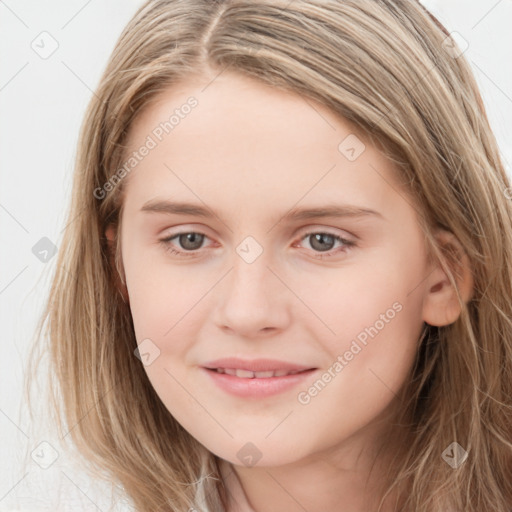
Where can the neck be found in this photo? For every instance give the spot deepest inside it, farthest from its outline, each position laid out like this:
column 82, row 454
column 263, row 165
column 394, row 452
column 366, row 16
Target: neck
column 349, row 478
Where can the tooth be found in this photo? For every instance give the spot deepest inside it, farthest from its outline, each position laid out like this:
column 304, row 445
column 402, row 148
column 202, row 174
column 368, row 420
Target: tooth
column 245, row 374
column 263, row 375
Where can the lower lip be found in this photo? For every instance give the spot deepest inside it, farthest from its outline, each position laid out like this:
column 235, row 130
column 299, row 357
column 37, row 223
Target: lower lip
column 254, row 387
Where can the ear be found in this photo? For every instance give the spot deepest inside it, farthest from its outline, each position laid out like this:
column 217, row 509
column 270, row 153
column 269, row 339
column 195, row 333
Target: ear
column 111, row 235
column 440, row 304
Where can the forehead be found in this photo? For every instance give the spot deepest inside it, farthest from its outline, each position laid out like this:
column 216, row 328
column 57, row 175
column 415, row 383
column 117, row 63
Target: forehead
column 245, row 143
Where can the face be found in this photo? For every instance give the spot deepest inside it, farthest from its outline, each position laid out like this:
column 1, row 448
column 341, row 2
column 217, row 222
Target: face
column 228, row 253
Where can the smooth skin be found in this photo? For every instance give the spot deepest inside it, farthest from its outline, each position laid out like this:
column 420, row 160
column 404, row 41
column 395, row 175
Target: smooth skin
column 251, row 154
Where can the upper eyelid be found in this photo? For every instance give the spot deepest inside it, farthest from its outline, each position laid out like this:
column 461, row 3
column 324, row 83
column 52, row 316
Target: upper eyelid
column 305, row 229
column 302, row 234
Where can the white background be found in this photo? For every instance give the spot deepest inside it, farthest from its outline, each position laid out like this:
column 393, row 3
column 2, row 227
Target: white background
column 42, row 102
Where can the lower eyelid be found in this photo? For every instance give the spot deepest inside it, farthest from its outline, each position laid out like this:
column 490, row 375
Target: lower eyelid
column 345, row 241
column 166, row 242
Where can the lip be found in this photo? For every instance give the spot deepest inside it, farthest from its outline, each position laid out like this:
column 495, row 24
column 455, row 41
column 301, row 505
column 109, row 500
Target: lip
column 256, row 387
column 255, row 365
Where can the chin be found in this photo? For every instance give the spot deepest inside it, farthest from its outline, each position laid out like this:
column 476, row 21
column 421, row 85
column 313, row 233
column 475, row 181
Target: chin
column 256, row 454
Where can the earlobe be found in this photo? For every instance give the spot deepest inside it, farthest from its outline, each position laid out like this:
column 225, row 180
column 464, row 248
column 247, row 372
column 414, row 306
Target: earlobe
column 110, row 233
column 441, row 305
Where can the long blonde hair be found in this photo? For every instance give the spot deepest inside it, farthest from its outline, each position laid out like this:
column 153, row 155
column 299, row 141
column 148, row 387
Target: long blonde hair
column 387, row 67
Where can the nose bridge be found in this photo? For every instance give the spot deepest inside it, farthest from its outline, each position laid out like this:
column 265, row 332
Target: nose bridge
column 252, row 297
column 250, row 274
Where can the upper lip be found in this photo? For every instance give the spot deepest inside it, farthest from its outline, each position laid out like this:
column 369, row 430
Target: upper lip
column 255, row 365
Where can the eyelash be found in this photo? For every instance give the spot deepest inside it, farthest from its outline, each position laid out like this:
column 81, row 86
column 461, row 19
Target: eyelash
column 320, row 255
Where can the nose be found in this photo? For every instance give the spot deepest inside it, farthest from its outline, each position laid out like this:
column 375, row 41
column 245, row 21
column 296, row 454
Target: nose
column 252, row 300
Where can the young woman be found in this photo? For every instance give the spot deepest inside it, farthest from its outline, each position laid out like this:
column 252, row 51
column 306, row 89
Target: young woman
column 286, row 281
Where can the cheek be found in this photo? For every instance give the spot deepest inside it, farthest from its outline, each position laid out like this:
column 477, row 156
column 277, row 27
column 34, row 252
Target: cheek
column 375, row 321
column 376, row 299
column 166, row 308
column 163, row 296
column 369, row 363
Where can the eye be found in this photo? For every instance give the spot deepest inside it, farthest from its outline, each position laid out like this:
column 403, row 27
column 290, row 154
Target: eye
column 189, row 240
column 324, row 241
column 321, row 242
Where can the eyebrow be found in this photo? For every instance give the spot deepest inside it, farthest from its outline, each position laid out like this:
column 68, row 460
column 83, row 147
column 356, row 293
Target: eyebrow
column 297, row 214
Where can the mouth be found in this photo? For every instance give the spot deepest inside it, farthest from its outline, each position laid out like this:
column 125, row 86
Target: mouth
column 247, row 374
column 258, row 383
